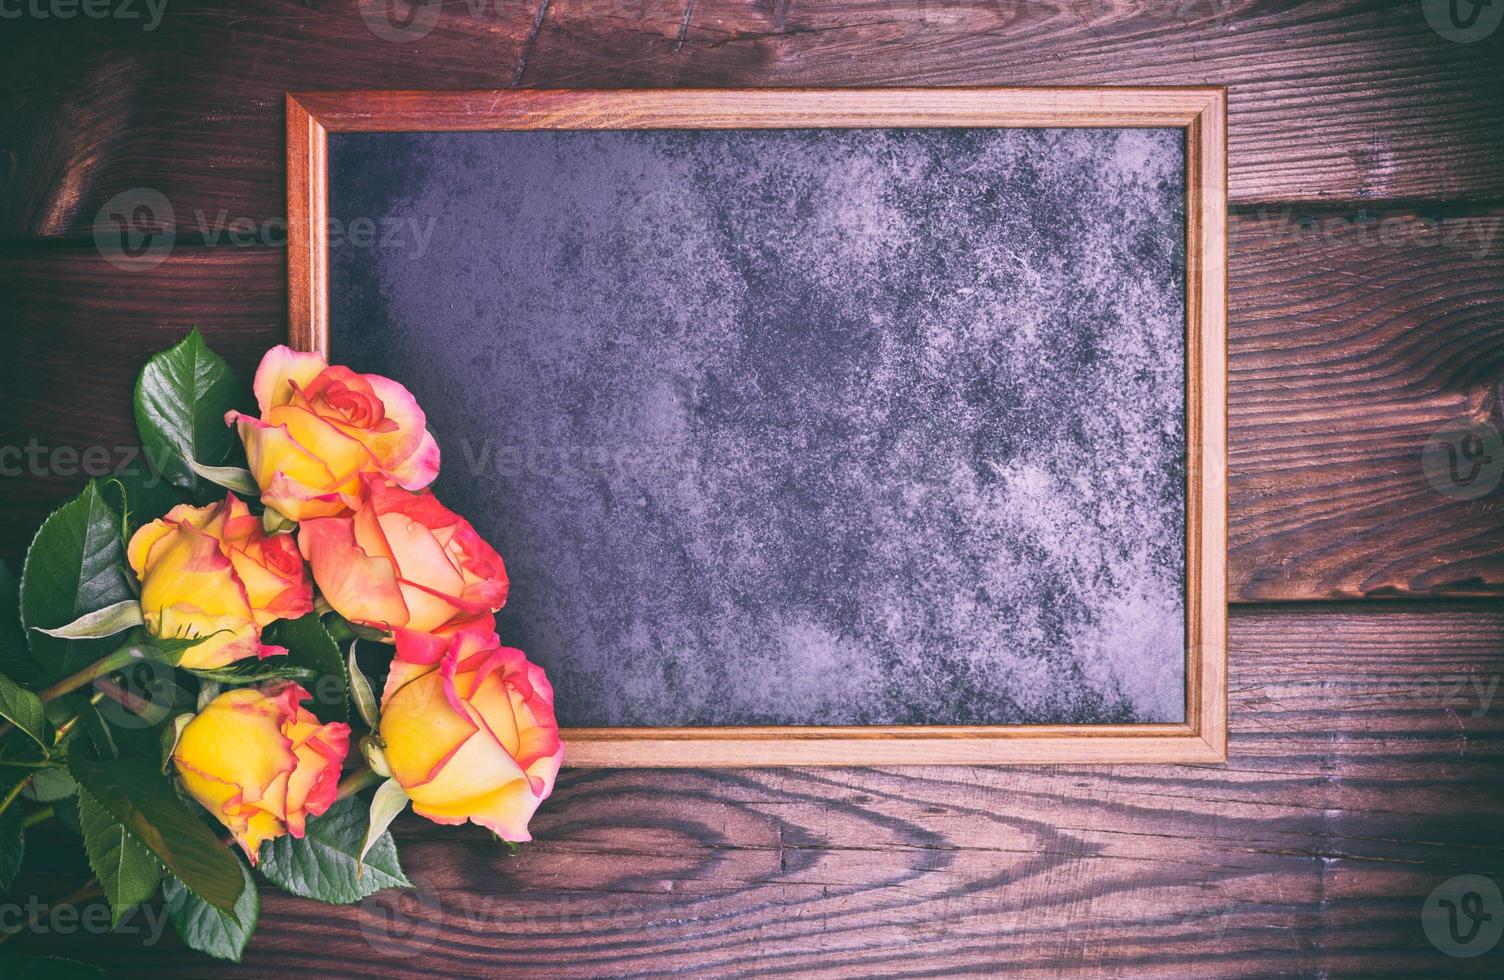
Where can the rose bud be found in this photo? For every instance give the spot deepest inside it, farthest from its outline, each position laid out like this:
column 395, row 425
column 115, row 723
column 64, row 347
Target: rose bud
column 261, row 763
column 403, row 560
column 469, row 731
column 212, row 572
column 323, row 426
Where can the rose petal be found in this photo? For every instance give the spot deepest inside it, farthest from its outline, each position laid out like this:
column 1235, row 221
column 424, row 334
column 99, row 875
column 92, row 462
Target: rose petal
column 417, row 654
column 280, row 369
column 396, row 445
column 275, row 456
column 420, row 468
column 312, row 787
column 421, row 731
column 343, row 457
column 298, row 502
column 361, row 588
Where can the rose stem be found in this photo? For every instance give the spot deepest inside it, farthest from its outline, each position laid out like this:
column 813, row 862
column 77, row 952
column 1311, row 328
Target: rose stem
column 39, row 816
column 355, row 782
column 15, row 791
column 122, row 657
column 62, row 731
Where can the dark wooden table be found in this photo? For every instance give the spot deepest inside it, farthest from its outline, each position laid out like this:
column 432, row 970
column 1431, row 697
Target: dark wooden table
column 1367, row 313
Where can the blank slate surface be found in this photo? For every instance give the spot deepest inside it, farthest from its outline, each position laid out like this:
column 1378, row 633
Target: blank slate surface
column 798, row 427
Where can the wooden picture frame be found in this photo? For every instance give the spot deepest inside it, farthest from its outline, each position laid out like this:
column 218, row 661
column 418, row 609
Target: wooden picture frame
column 1200, row 112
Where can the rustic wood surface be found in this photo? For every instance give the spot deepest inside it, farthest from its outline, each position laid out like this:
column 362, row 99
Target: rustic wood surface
column 1367, row 312
column 1332, row 100
column 1366, row 756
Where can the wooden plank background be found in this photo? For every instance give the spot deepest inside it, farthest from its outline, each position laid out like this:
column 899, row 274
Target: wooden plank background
column 1366, row 763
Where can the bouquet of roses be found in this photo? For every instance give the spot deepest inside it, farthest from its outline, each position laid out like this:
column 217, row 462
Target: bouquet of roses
column 172, row 678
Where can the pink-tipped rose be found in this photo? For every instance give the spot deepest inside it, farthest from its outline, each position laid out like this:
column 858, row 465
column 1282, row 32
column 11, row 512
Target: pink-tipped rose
column 404, row 560
column 322, row 427
column 212, row 572
column 261, row 762
column 469, row 731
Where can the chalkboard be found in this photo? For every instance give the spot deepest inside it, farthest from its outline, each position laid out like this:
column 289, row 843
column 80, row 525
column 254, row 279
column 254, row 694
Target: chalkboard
column 805, row 426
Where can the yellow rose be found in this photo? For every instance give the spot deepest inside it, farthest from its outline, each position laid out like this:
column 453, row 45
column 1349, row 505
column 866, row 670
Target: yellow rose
column 469, row 731
column 213, row 572
column 261, row 763
column 323, row 426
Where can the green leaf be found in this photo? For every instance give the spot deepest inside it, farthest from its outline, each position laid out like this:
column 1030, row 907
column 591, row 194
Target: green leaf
column 375, row 755
column 390, row 799
column 24, row 709
column 12, row 845
column 181, row 400
column 101, row 622
column 230, row 477
column 51, row 785
column 75, row 565
column 325, row 864
column 23, row 967
column 172, row 734
column 59, row 710
column 170, row 649
column 274, row 522
column 100, row 733
column 68, row 815
column 205, row 928
column 128, row 872
column 140, row 495
column 310, row 645
column 257, row 673
column 15, row 655
column 360, row 693
column 140, row 797
column 338, row 627
column 342, row 629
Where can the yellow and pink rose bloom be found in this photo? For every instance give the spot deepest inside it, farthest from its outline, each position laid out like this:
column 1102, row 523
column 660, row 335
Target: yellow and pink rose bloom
column 212, row 572
column 322, row 427
column 261, row 763
column 404, row 561
column 469, row 731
